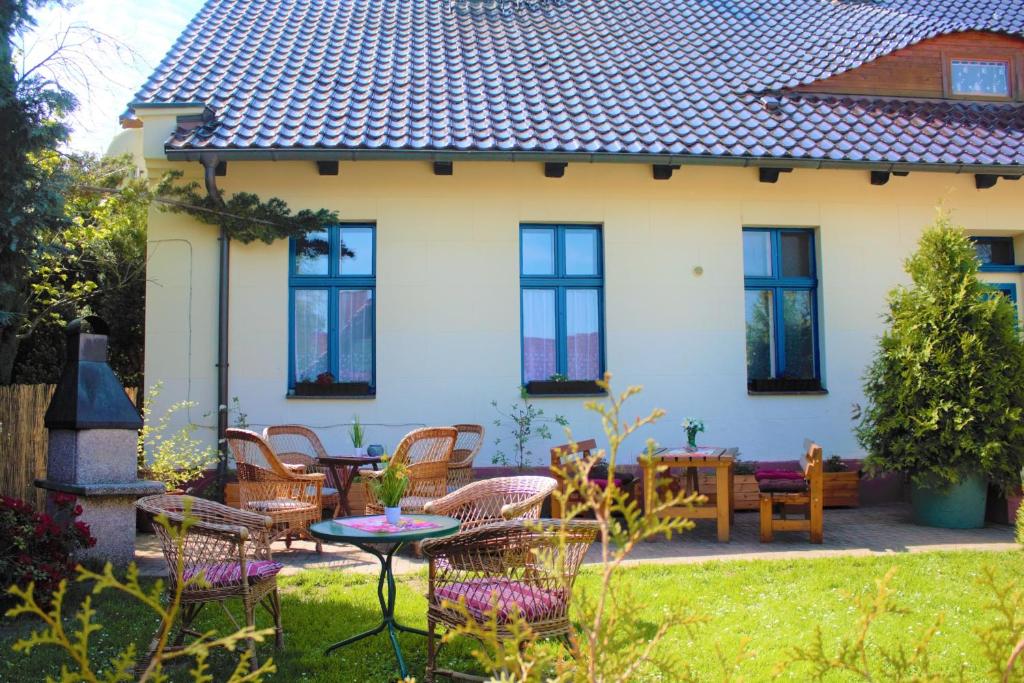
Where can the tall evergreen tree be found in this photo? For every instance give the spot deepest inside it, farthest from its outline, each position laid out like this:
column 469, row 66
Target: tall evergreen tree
column 31, row 113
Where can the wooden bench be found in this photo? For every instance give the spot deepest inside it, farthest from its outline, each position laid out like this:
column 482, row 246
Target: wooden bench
column 812, row 498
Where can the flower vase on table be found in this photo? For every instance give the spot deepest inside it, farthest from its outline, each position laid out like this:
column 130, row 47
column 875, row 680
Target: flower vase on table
column 393, row 515
column 693, row 427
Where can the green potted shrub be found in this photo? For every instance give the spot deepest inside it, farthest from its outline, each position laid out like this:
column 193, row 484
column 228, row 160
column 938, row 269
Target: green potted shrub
column 945, row 391
column 389, row 488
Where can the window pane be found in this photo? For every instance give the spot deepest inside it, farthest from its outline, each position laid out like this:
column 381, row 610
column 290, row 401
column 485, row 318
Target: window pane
column 311, row 253
column 980, row 77
column 996, row 252
column 355, row 335
column 538, row 245
column 583, row 336
column 760, row 334
column 310, row 334
column 796, row 254
column 581, row 252
column 357, row 254
column 798, row 319
column 539, row 360
column 757, row 253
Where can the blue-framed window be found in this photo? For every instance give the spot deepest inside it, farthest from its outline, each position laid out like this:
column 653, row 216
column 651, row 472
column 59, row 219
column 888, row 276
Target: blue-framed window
column 996, row 254
column 781, row 288
column 562, row 281
column 332, row 317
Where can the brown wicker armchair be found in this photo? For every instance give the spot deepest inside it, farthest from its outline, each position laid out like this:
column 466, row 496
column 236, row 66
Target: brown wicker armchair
column 223, row 545
column 506, row 566
column 293, row 501
column 427, row 453
column 494, row 500
column 298, row 445
column 467, row 446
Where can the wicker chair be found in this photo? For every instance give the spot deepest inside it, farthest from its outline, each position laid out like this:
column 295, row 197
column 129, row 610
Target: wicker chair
column 467, row 446
column 494, row 500
column 266, row 486
column 427, row 453
column 223, row 544
column 504, row 566
column 298, row 445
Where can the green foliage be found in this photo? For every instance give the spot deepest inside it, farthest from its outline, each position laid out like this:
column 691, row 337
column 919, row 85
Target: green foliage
column 1020, row 524
column 244, row 215
column 91, row 261
column 526, row 421
column 390, row 486
column 172, row 458
column 946, row 388
column 31, row 113
column 356, row 432
column 77, row 643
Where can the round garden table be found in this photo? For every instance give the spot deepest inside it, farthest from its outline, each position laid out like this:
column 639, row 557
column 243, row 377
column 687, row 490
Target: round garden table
column 336, row 531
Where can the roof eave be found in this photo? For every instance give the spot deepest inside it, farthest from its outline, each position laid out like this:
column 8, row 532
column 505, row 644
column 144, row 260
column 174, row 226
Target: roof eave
column 292, row 154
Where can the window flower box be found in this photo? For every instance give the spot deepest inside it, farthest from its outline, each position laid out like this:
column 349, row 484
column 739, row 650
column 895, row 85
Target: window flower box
column 572, row 387
column 333, row 389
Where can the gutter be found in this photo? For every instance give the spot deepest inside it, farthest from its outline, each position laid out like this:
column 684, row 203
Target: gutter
column 315, row 154
column 209, row 162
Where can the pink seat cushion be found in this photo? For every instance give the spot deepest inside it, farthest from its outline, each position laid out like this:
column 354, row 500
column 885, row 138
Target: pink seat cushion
column 533, row 602
column 778, row 474
column 781, row 486
column 230, row 573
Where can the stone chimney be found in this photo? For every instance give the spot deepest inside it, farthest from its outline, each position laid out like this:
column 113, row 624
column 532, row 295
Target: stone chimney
column 92, row 447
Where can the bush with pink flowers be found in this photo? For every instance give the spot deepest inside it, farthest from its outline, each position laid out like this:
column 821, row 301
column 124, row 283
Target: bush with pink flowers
column 37, row 547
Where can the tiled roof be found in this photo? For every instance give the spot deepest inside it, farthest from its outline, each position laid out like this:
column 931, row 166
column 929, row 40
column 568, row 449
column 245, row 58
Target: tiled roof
column 646, row 77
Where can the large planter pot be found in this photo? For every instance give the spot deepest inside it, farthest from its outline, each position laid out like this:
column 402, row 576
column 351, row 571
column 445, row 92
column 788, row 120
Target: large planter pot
column 959, row 507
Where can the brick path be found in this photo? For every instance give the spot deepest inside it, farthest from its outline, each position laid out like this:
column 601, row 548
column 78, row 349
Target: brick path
column 865, row 531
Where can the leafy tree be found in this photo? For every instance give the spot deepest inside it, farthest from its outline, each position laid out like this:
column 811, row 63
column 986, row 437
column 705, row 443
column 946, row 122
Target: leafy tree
column 946, row 388
column 31, row 113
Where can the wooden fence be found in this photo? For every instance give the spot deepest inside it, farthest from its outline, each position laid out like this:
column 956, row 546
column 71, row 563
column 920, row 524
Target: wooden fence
column 23, row 439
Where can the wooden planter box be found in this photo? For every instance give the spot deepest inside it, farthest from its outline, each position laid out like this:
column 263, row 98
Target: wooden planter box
column 744, row 490
column 842, row 489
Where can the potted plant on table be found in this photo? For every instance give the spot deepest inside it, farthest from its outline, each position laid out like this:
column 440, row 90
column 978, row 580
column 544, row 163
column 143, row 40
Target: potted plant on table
column 389, row 488
column 945, row 392
column 357, row 434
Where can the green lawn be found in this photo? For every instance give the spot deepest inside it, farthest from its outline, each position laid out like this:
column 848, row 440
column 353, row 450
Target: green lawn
column 774, row 603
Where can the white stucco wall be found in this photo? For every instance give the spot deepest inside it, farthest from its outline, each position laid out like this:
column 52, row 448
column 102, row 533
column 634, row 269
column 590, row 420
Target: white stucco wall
column 448, row 291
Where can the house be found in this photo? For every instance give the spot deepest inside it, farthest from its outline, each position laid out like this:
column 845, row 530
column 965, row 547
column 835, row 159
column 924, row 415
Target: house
column 710, row 198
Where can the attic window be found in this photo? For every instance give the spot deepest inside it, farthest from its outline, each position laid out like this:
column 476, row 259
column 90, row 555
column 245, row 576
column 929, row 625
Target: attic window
column 980, row 78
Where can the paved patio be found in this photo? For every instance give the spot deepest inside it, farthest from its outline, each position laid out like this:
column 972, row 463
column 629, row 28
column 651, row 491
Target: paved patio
column 876, row 530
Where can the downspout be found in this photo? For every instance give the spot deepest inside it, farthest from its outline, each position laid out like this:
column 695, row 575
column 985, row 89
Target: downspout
column 209, row 163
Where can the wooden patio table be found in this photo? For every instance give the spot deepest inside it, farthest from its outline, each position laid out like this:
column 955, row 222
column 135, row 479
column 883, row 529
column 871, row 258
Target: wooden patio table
column 343, row 471
column 692, row 461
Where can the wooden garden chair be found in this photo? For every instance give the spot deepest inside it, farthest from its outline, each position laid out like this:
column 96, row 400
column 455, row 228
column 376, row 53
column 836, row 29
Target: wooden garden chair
column 494, row 500
column 774, row 498
column 292, row 500
column 505, row 566
column 427, row 453
column 298, row 445
column 467, row 446
column 223, row 545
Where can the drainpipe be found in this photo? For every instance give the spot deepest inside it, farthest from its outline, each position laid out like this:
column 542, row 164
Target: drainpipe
column 209, row 163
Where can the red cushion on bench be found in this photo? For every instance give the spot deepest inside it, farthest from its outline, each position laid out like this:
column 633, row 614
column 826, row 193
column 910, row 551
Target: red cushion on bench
column 778, row 474
column 782, row 486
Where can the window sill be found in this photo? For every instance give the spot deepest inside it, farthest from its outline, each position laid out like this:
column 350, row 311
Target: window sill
column 783, row 392
column 571, row 388
column 348, row 397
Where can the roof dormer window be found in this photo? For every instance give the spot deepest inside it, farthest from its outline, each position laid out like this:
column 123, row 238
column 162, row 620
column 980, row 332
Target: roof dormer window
column 980, row 78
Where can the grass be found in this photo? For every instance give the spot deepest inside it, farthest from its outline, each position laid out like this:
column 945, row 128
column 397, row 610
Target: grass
column 775, row 603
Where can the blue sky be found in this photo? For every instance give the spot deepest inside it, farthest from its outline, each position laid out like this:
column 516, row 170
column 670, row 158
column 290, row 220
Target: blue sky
column 148, row 27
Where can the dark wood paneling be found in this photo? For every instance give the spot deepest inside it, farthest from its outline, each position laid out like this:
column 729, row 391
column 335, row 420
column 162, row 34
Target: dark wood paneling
column 919, row 70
